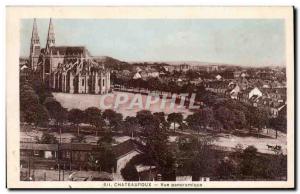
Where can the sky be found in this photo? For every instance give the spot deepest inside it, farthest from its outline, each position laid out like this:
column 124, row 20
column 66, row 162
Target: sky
column 252, row 42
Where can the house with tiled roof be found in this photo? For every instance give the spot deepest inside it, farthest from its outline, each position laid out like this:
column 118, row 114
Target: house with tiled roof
column 124, row 152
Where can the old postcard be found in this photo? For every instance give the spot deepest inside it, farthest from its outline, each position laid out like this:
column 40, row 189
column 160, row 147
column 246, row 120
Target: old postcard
column 150, row 97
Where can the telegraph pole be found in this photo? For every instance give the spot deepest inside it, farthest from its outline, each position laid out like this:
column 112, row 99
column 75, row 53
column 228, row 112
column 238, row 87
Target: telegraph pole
column 60, row 135
column 58, row 162
column 28, row 166
column 58, row 172
column 63, row 177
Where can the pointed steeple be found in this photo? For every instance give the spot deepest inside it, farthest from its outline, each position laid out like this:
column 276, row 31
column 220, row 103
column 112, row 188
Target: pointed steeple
column 35, row 48
column 35, row 39
column 51, row 36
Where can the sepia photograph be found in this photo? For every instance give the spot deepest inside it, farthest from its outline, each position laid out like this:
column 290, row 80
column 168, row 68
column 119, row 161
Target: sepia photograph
column 150, row 97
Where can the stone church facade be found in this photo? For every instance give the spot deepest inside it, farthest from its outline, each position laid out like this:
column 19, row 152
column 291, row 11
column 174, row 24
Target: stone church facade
column 69, row 69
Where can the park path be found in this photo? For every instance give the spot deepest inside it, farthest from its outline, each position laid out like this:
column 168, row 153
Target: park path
column 229, row 141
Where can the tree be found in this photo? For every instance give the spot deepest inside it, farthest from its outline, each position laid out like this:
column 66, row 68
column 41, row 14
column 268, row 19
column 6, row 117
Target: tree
column 28, row 98
column 60, row 117
column 56, row 111
column 226, row 117
column 276, row 168
column 76, row 116
column 36, row 114
column 93, row 117
column 148, row 122
column 92, row 162
column 202, row 155
column 217, row 125
column 233, row 114
column 194, row 122
column 156, row 140
column 173, row 87
column 106, row 138
column 258, row 118
column 167, row 164
column 209, row 98
column 144, row 117
column 201, row 119
column 106, row 157
column 41, row 89
column 131, row 125
column 183, row 126
column 130, row 173
column 153, row 84
column 175, row 118
column 226, row 168
column 160, row 153
column 249, row 161
column 261, row 117
column 279, row 124
column 240, row 119
column 114, row 119
column 53, row 107
column 191, row 74
column 162, row 120
column 207, row 116
column 32, row 111
column 47, row 138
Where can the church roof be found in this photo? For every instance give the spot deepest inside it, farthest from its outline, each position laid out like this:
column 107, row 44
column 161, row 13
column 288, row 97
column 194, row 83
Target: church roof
column 68, row 50
column 82, row 66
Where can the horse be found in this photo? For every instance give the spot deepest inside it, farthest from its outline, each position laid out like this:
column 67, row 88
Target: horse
column 277, row 147
column 270, row 147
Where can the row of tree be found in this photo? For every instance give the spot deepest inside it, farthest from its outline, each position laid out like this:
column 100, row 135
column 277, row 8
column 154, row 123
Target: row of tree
column 224, row 114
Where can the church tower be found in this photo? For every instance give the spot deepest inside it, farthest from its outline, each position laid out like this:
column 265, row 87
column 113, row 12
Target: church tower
column 35, row 48
column 50, row 37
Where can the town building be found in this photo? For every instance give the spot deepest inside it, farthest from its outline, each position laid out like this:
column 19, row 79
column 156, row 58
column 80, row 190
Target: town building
column 137, row 75
column 212, row 68
column 254, row 92
column 218, row 77
column 74, row 155
column 234, row 93
column 183, row 67
column 69, row 69
column 124, row 152
column 275, row 110
column 217, row 86
column 169, row 68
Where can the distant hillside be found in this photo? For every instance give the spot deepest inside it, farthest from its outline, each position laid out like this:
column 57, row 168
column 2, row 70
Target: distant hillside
column 112, row 63
column 121, row 65
column 192, row 63
column 106, row 59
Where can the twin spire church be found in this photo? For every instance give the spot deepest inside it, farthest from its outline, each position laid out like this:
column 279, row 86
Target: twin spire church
column 69, row 69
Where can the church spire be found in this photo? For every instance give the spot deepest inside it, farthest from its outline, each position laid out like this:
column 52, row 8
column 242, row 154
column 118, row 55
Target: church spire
column 35, row 39
column 51, row 36
column 35, row 48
